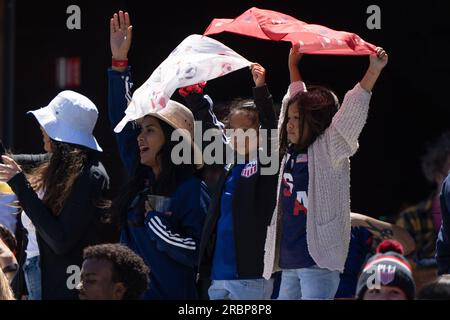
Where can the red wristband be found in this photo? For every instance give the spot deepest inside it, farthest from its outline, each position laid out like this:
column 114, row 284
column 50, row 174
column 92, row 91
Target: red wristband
column 119, row 63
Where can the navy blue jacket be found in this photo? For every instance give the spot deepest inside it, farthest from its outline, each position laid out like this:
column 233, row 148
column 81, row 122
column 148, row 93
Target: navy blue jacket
column 167, row 243
column 443, row 241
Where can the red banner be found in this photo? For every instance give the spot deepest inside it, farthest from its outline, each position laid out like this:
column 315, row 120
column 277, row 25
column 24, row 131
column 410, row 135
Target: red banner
column 272, row 25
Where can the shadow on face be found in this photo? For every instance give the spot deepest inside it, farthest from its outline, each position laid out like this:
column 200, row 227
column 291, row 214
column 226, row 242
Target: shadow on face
column 97, row 281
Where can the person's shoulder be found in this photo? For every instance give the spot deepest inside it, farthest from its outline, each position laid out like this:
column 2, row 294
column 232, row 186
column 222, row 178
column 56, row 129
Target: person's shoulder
column 97, row 173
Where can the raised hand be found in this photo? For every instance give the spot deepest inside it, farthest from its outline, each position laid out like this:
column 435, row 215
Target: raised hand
column 8, row 169
column 378, row 60
column 259, row 74
column 295, row 55
column 120, row 35
column 294, row 58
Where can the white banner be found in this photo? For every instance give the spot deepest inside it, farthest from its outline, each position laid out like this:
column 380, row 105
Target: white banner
column 196, row 59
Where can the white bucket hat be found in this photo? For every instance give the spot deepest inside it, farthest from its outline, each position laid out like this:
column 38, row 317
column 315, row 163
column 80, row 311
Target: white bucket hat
column 70, row 117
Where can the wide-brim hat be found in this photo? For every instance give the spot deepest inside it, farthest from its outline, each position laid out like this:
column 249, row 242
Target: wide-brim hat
column 70, row 117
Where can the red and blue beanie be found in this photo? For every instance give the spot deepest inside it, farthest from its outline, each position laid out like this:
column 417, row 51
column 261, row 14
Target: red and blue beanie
column 389, row 268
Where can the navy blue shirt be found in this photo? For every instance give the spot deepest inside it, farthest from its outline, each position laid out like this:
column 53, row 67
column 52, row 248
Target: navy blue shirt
column 294, row 200
column 360, row 246
column 224, row 265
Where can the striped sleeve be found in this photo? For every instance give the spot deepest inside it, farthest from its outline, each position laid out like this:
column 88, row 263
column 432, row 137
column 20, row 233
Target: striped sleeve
column 180, row 247
column 160, row 229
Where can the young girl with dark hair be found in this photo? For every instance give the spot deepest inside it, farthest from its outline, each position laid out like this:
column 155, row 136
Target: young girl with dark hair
column 308, row 237
column 232, row 245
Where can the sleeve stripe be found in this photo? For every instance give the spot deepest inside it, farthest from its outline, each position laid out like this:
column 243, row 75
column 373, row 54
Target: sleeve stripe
column 160, row 230
column 128, row 85
column 169, row 241
column 175, row 236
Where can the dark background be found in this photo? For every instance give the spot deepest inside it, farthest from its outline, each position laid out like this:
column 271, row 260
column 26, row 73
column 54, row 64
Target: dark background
column 410, row 103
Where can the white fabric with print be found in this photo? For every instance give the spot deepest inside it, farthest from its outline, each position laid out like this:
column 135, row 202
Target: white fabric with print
column 196, row 59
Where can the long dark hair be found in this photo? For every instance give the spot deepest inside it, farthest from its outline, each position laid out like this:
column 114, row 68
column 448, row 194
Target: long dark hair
column 317, row 106
column 164, row 185
column 56, row 176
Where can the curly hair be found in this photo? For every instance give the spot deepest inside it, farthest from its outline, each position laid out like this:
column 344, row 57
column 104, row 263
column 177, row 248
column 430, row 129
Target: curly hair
column 128, row 267
column 57, row 176
column 436, row 158
column 317, row 106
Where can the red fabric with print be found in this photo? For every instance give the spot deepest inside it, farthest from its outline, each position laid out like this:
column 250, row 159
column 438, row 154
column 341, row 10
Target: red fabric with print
column 272, row 25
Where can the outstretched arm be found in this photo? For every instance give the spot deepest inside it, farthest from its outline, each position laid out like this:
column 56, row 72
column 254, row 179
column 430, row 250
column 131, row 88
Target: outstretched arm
column 263, row 98
column 119, row 89
column 377, row 62
column 349, row 120
column 296, row 84
column 60, row 233
column 294, row 58
column 384, row 230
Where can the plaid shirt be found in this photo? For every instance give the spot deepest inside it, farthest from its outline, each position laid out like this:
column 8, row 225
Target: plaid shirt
column 418, row 221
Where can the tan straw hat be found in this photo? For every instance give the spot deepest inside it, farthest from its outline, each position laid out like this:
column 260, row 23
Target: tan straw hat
column 180, row 118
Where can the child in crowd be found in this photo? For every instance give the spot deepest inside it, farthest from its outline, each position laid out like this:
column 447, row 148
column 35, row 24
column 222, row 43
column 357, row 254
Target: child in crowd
column 309, row 234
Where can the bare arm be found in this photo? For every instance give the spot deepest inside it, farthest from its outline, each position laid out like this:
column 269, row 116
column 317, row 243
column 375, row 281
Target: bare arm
column 384, row 230
column 293, row 61
column 377, row 62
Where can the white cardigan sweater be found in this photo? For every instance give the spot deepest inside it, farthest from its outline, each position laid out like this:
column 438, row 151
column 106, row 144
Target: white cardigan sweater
column 328, row 223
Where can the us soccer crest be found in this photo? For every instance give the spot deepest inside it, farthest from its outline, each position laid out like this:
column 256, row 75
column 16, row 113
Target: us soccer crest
column 386, row 273
column 250, row 169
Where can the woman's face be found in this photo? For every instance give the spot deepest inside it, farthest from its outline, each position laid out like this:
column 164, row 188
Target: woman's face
column 293, row 126
column 244, row 141
column 150, row 141
column 46, row 140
